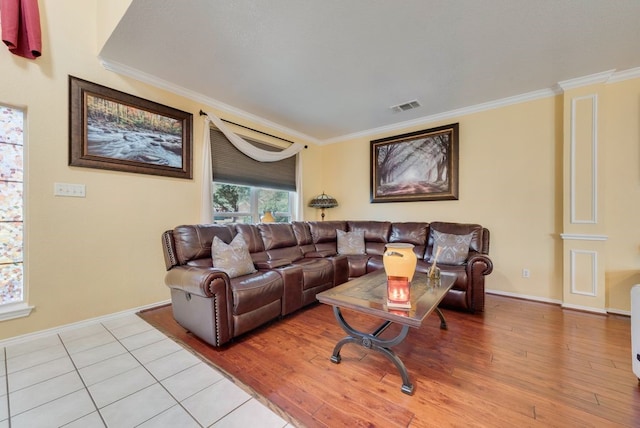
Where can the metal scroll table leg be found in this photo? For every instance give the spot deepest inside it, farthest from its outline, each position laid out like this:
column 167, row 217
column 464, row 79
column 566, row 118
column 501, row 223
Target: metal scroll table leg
column 443, row 322
column 372, row 341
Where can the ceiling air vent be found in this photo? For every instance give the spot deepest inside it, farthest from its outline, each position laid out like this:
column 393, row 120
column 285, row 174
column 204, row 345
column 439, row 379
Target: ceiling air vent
column 405, row 106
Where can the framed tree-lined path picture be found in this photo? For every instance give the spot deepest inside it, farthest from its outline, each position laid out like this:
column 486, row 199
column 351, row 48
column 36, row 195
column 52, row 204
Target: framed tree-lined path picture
column 113, row 130
column 418, row 166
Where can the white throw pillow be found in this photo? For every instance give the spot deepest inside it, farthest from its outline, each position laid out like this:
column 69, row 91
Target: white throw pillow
column 350, row 242
column 454, row 249
column 233, row 258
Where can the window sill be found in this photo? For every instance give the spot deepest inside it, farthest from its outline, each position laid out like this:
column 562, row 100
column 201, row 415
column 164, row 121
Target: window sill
column 14, row 310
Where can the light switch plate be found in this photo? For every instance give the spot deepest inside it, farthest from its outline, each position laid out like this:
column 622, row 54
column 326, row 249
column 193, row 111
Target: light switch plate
column 69, row 190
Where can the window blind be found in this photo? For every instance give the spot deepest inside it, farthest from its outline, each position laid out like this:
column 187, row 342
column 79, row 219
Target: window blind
column 232, row 166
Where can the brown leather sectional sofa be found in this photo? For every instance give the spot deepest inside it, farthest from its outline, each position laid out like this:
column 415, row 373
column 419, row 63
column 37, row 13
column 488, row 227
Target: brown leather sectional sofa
column 294, row 262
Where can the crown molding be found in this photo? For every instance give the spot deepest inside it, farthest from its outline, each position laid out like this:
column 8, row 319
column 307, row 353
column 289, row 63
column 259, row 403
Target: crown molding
column 591, row 79
column 529, row 96
column 609, row 76
column 632, row 73
column 187, row 93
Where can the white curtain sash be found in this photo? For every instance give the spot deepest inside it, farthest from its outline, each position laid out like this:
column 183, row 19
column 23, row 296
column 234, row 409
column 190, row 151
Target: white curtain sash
column 249, row 149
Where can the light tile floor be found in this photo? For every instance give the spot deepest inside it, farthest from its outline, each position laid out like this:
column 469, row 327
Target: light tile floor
column 119, row 373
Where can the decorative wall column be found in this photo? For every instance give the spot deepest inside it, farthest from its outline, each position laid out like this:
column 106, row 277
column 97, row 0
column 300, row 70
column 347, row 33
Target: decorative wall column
column 584, row 241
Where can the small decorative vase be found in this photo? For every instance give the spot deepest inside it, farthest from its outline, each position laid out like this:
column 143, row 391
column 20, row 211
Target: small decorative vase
column 399, row 264
column 400, row 261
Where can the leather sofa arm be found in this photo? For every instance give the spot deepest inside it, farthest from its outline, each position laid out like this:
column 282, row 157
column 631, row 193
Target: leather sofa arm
column 203, row 282
column 479, row 261
column 478, row 265
column 272, row 264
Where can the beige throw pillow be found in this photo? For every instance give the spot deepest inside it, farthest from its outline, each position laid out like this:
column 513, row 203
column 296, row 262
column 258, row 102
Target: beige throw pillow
column 233, row 258
column 350, row 242
column 454, row 249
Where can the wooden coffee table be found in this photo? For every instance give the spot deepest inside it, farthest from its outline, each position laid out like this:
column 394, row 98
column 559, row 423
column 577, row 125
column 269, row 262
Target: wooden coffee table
column 368, row 294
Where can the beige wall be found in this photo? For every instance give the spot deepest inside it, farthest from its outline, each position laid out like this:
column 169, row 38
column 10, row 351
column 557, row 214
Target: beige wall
column 93, row 256
column 621, row 180
column 89, row 257
column 511, row 181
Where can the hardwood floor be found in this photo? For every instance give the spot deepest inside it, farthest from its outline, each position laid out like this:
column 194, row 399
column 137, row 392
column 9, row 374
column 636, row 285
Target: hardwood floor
column 520, row 363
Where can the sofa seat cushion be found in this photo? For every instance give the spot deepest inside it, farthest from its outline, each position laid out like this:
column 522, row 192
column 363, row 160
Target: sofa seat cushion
column 233, row 258
column 315, row 272
column 350, row 242
column 253, row 291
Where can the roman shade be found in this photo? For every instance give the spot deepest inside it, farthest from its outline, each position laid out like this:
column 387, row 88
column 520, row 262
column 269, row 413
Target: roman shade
column 230, row 165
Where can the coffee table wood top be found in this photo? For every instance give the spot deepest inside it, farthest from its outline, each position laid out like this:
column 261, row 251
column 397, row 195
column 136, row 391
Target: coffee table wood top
column 368, row 294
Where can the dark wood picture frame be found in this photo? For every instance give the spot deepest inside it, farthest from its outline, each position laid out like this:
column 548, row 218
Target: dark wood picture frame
column 109, row 129
column 418, row 166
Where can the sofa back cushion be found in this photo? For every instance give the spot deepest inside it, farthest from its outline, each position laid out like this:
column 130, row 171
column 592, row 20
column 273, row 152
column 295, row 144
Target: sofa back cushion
column 325, row 231
column 279, row 241
column 376, row 234
column 476, row 231
column 303, row 236
column 415, row 233
column 253, row 239
column 324, row 235
column 193, row 242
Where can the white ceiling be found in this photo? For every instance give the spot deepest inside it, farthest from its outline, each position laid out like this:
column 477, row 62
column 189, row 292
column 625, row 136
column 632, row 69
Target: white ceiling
column 328, row 69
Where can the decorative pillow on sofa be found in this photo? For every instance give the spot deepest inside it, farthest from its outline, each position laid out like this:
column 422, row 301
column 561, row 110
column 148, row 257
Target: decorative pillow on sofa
column 350, row 242
column 454, row 249
column 233, row 258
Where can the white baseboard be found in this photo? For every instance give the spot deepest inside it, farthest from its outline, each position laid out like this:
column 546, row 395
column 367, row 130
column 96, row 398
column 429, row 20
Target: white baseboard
column 56, row 330
column 618, row 312
column 584, row 308
column 558, row 302
column 524, row 297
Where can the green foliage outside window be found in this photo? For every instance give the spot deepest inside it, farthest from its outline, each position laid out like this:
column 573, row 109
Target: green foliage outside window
column 229, row 198
column 244, row 204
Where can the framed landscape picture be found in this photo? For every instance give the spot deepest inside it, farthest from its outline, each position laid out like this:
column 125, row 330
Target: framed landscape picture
column 109, row 129
column 418, row 166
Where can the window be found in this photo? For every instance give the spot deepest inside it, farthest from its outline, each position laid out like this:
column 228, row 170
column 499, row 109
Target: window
column 11, row 205
column 245, row 189
column 245, row 204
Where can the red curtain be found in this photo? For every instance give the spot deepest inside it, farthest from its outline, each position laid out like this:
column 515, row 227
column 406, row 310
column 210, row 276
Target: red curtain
column 20, row 21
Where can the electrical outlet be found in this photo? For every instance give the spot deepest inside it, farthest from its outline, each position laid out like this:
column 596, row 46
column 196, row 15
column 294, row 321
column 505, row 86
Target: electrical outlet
column 70, row 190
column 526, row 273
